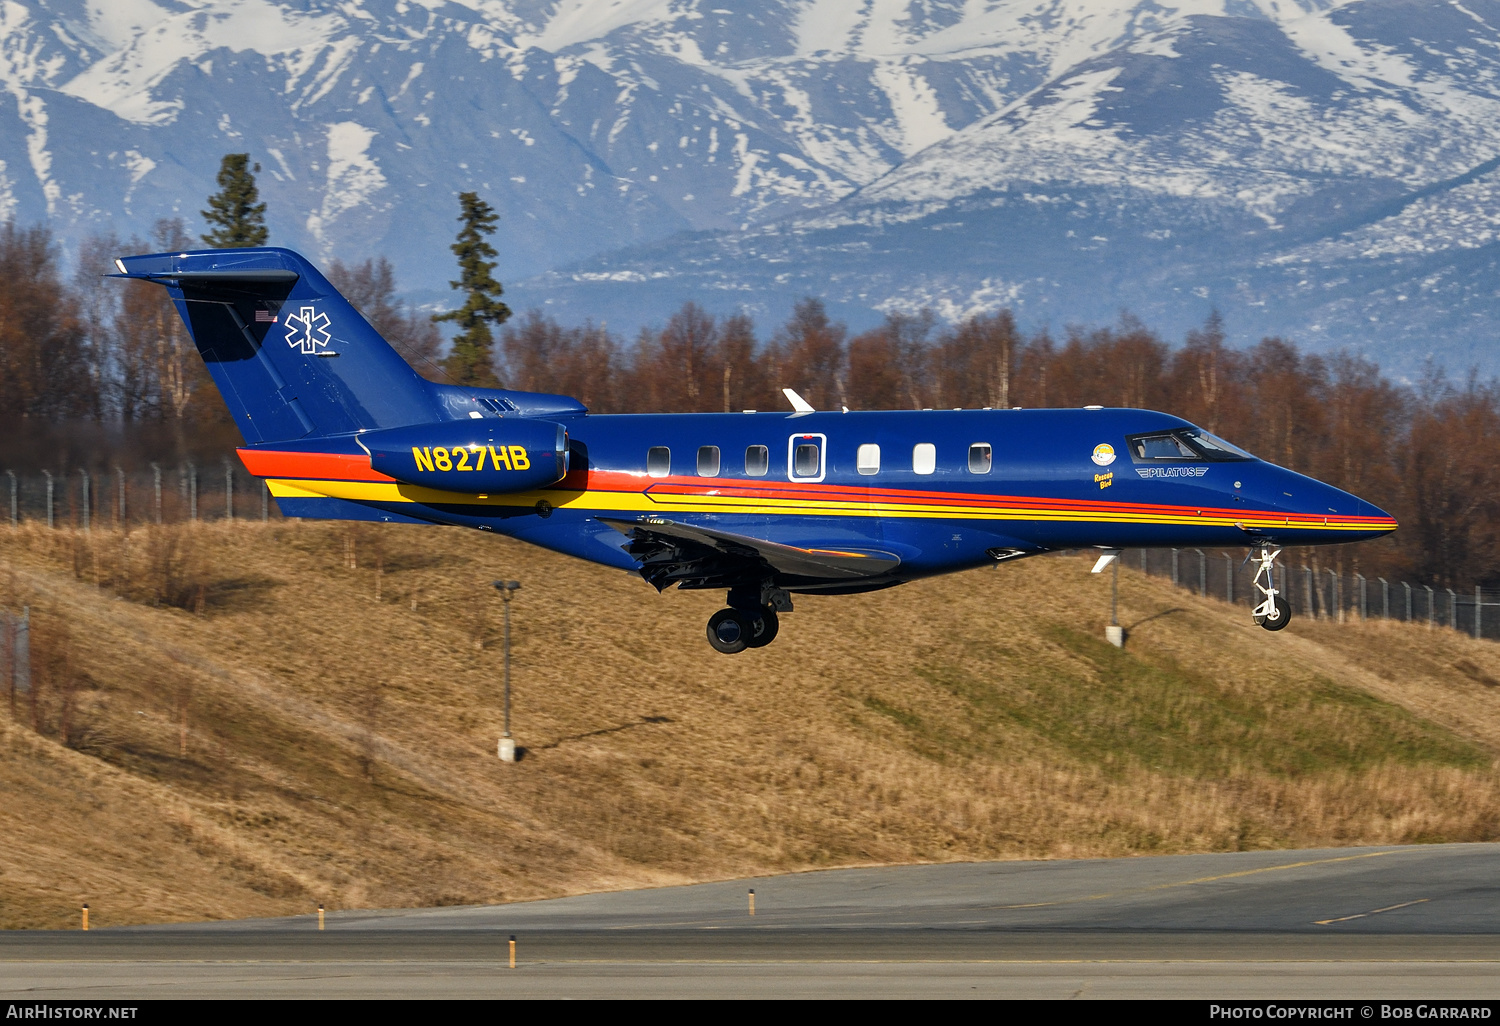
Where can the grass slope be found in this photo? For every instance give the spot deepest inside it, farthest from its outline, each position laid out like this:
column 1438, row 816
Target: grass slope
column 340, row 748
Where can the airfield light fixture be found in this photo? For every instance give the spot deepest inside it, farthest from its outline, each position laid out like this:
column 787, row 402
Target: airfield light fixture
column 507, row 747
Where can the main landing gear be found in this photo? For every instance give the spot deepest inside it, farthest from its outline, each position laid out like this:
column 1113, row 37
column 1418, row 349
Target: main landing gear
column 734, row 630
column 1274, row 611
column 750, row 621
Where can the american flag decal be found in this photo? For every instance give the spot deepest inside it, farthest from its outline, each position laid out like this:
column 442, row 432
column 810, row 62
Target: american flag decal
column 264, row 317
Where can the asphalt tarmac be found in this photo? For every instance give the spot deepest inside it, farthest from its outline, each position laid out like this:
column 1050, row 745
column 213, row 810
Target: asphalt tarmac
column 1362, row 924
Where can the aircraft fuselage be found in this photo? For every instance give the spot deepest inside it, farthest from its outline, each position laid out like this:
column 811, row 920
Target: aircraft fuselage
column 927, row 495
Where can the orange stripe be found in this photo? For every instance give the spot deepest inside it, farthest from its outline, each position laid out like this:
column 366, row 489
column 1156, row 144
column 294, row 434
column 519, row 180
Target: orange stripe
column 325, row 466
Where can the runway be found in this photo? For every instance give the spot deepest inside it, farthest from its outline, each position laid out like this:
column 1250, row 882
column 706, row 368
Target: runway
column 1358, row 923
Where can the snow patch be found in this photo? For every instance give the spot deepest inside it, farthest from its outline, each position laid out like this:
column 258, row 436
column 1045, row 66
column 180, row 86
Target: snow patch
column 118, row 22
column 747, row 161
column 123, row 81
column 139, row 165
column 578, row 21
column 276, row 153
column 339, row 55
column 1466, row 217
column 352, row 178
column 954, row 303
column 7, row 196
column 487, row 42
column 411, row 76
column 827, row 25
column 914, row 106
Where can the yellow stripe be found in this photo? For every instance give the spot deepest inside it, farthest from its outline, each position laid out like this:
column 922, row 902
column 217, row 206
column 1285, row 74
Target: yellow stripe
column 637, row 502
column 287, row 490
column 382, row 491
column 1372, row 912
column 360, row 491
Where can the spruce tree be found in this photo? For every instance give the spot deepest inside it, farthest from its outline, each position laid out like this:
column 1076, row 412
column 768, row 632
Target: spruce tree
column 233, row 215
column 470, row 361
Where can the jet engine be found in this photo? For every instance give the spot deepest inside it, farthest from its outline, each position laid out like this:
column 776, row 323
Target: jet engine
column 511, row 454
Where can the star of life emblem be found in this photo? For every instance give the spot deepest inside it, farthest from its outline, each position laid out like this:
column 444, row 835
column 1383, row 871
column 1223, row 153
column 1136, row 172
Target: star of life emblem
column 307, row 330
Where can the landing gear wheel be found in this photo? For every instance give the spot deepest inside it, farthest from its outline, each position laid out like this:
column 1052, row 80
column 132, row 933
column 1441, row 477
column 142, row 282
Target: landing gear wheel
column 1273, row 612
column 764, row 625
column 1278, row 617
column 730, row 631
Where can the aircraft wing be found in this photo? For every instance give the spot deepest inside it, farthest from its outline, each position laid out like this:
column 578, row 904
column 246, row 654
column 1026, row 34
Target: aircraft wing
column 702, row 557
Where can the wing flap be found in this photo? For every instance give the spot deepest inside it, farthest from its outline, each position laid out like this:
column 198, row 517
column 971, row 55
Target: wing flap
column 790, row 560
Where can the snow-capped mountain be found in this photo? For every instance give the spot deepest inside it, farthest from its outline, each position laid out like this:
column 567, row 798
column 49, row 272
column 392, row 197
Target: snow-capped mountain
column 1324, row 170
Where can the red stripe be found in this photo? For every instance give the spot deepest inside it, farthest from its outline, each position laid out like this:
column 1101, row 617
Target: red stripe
column 322, row 466
column 820, row 492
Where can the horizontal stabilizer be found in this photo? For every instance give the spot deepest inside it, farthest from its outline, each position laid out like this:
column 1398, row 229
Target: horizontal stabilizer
column 228, row 276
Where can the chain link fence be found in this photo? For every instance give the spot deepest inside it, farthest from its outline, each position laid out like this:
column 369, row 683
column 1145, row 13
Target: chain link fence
column 154, row 494
column 174, row 494
column 1324, row 594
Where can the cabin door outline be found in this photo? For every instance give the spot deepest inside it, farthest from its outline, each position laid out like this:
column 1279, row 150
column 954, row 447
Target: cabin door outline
column 792, row 468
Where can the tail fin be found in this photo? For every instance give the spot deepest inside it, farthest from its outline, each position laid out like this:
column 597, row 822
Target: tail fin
column 291, row 356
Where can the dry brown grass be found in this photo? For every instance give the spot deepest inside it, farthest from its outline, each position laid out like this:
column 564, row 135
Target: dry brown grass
column 341, row 748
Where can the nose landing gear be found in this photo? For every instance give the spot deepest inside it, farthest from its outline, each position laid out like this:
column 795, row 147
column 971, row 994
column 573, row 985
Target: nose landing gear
column 1273, row 612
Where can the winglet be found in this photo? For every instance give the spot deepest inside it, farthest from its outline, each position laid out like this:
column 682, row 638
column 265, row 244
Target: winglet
column 799, row 404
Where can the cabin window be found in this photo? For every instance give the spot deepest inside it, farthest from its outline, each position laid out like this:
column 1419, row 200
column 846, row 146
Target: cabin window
column 757, row 460
column 924, row 458
column 1162, row 447
column 867, row 459
column 658, row 461
column 708, row 461
column 981, row 456
column 805, row 462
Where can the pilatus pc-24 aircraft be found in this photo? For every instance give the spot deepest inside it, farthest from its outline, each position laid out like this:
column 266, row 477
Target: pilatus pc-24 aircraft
column 760, row 505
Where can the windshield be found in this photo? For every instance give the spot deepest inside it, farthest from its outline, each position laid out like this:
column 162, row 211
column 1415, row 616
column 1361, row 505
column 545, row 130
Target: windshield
column 1162, row 447
column 1216, row 447
column 1184, row 444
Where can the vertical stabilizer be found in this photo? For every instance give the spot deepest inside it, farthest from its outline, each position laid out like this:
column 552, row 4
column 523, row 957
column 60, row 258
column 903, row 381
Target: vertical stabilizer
column 291, row 356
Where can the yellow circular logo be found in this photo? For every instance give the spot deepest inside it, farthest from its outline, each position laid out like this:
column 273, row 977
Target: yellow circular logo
column 1104, row 454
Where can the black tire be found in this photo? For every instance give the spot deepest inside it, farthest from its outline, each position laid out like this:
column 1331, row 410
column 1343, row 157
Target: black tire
column 730, row 631
column 1281, row 619
column 763, row 627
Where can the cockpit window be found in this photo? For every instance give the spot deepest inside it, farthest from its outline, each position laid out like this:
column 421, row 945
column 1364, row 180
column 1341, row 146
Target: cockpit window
column 1216, row 447
column 1185, row 444
column 1162, row 447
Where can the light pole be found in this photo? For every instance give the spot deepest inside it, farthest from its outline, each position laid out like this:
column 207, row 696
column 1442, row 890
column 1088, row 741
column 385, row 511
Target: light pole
column 507, row 745
column 1114, row 633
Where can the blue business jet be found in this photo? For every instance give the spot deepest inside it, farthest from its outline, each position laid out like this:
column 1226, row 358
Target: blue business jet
column 760, row 505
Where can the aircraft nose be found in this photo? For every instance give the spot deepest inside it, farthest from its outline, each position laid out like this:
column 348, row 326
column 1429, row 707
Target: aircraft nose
column 1369, row 509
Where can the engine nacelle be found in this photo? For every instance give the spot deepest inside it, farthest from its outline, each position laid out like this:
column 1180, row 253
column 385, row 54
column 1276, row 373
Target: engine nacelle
column 512, row 454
